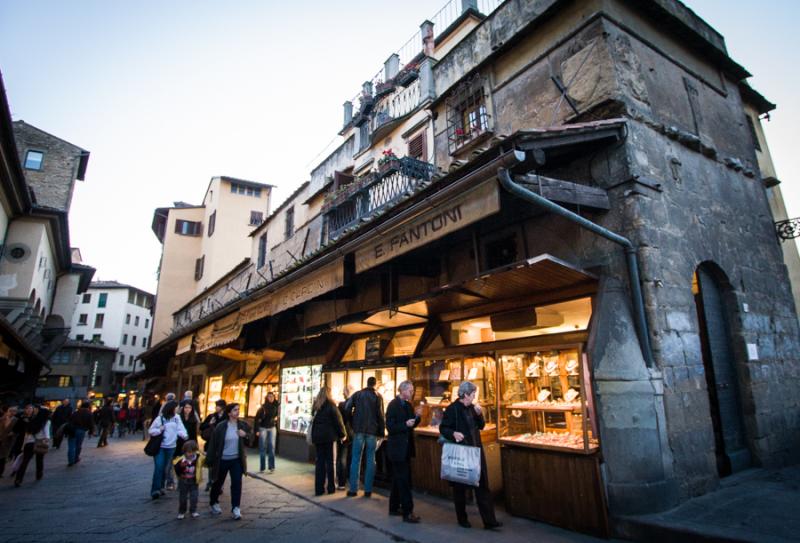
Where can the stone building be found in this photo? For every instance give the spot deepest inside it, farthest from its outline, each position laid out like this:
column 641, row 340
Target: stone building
column 38, row 276
column 79, row 370
column 563, row 202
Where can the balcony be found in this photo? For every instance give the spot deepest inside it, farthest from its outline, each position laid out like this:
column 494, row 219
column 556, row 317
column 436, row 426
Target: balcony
column 393, row 109
column 375, row 192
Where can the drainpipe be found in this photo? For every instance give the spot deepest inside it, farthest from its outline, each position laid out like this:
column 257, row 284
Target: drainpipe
column 631, row 259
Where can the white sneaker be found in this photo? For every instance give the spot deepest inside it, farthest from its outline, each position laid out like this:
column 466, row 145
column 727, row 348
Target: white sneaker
column 236, row 513
column 181, row 516
column 216, row 509
column 195, row 515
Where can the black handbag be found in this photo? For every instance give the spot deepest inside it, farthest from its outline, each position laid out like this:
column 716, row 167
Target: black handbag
column 154, row 443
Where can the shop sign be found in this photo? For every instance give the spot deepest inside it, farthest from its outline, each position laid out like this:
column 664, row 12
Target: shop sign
column 431, row 225
column 310, row 286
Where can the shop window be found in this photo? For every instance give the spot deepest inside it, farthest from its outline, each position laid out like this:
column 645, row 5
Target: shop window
column 34, row 160
column 299, row 386
column 533, row 321
column 467, row 114
column 386, row 381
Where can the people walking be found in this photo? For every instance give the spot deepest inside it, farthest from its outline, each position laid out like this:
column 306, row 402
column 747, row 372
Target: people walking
column 226, row 455
column 365, row 409
column 207, row 431
column 462, row 423
column 189, row 469
column 60, row 417
column 191, row 421
column 122, row 420
column 80, row 423
column 7, row 421
column 400, row 423
column 326, row 429
column 170, row 427
column 344, row 447
column 36, row 442
column 105, row 422
column 266, row 430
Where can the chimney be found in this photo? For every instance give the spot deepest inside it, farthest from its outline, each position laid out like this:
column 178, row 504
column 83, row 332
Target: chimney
column 366, row 88
column 391, row 67
column 426, row 29
column 348, row 112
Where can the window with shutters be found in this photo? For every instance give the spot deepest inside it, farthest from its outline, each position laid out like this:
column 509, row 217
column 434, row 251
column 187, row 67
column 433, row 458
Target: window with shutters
column 289, row 225
column 262, row 250
column 417, row 147
column 188, row 228
column 199, row 264
column 212, row 223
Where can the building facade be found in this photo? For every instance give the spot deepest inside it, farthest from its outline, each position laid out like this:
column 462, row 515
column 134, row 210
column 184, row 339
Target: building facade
column 202, row 243
column 80, row 370
column 561, row 202
column 38, row 276
column 117, row 316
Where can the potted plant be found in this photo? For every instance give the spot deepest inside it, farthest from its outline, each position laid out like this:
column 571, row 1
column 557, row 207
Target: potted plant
column 388, row 163
column 408, row 74
column 382, row 89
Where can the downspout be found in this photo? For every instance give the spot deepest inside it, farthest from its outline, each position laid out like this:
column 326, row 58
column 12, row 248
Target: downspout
column 631, row 258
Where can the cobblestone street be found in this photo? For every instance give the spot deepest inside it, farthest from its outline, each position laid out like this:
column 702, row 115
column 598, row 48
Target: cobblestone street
column 105, row 498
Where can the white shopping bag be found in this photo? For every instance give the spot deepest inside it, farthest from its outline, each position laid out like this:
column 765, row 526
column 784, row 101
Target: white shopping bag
column 461, row 464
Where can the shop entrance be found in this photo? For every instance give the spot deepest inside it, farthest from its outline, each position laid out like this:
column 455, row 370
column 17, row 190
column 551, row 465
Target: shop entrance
column 709, row 287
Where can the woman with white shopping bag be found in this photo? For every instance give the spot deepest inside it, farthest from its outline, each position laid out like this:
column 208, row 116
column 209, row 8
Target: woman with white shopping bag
column 462, row 424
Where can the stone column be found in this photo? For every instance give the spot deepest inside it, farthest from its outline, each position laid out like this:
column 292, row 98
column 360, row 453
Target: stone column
column 427, row 88
column 348, row 112
column 391, row 67
column 426, row 30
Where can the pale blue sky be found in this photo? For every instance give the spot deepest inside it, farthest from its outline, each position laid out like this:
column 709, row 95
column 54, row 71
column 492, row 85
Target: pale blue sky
column 166, row 94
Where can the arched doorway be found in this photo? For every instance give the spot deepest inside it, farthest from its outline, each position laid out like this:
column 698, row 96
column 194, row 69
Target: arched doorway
column 710, row 286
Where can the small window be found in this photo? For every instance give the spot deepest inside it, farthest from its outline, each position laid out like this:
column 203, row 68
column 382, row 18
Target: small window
column 289, row 224
column 144, row 342
column 133, row 341
column 130, row 363
column 102, row 299
column 188, row 228
column 130, row 359
column 136, row 321
column 262, row 250
column 256, row 218
column 83, row 319
column 87, row 298
column 121, row 358
column 234, row 188
column 257, row 193
column 96, row 338
column 128, row 318
column 467, row 114
column 212, row 224
column 98, row 320
column 417, row 147
column 363, row 136
column 79, row 337
column 146, row 324
column 64, row 381
column 131, row 297
column 124, row 339
column 33, row 160
column 199, row 264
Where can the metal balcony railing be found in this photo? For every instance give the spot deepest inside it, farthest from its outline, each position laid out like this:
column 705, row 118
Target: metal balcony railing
column 375, row 192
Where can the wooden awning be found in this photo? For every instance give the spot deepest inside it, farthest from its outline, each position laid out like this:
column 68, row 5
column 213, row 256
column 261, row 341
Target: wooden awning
column 223, row 331
column 184, row 345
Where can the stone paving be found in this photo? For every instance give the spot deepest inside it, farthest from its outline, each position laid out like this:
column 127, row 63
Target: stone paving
column 105, row 498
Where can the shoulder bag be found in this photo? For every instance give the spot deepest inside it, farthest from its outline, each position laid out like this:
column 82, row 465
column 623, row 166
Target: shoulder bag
column 154, row 443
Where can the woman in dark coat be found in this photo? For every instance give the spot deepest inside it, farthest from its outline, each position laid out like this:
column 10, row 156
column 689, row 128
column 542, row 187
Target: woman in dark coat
column 226, row 454
column 191, row 422
column 326, row 429
column 462, row 423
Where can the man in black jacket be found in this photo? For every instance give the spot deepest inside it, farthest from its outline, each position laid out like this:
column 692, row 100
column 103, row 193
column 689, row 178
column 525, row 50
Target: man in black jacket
column 266, row 430
column 365, row 410
column 400, row 422
column 60, row 417
column 105, row 421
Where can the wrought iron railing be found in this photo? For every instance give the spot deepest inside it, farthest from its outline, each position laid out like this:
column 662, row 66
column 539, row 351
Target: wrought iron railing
column 788, row 229
column 393, row 181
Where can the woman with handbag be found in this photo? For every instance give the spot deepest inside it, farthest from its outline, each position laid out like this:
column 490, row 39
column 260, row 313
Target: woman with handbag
column 326, row 429
column 462, row 423
column 168, row 427
column 36, row 442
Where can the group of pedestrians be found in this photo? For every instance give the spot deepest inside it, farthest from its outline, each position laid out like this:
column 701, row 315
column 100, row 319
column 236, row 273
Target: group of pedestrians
column 177, row 425
column 357, row 426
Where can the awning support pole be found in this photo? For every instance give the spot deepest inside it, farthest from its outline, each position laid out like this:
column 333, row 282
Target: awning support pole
column 631, row 259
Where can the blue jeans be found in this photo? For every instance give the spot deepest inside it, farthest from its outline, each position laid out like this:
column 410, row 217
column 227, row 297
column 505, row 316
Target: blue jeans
column 163, row 461
column 74, row 445
column 266, row 446
column 366, row 442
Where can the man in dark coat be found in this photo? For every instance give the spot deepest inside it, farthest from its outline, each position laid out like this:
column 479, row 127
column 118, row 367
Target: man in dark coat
column 365, row 410
column 400, row 423
column 105, row 421
column 60, row 417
